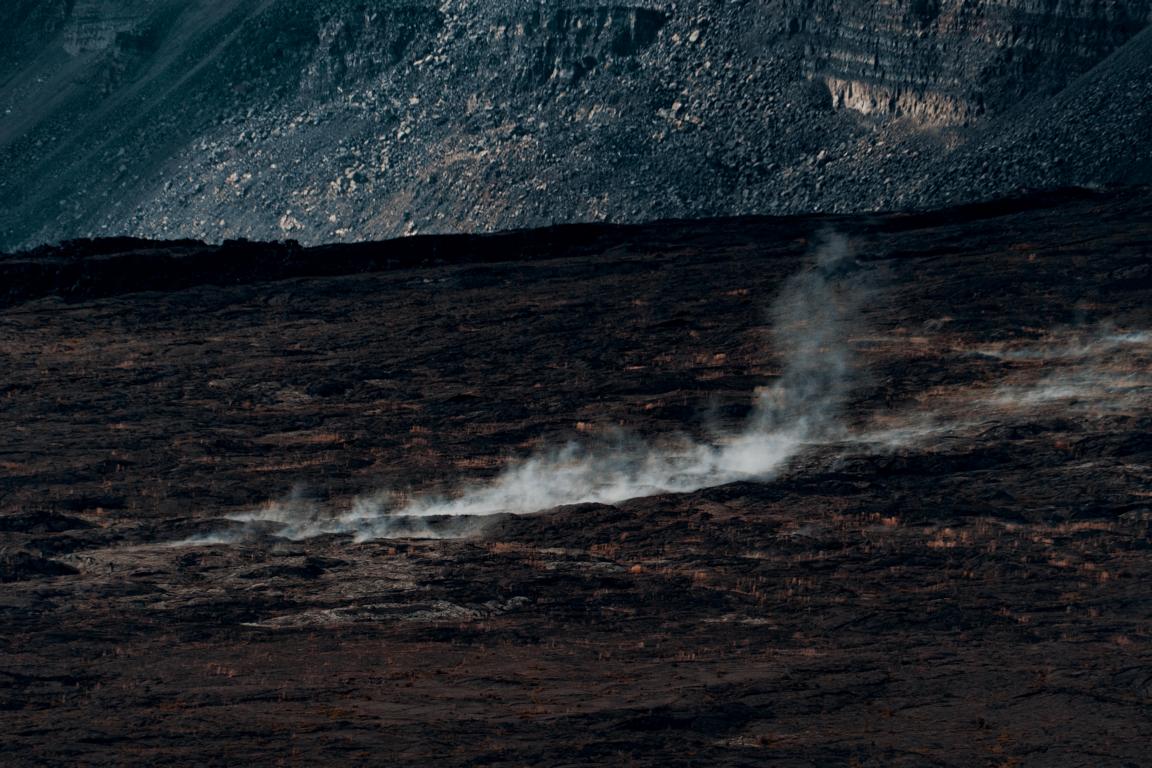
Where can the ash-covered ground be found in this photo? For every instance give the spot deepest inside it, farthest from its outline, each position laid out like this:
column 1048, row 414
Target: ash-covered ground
column 232, row 479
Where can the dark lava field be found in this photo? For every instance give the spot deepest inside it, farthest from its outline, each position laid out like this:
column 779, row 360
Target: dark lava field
column 950, row 564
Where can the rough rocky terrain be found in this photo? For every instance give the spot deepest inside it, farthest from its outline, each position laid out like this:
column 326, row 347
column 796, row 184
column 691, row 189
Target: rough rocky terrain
column 336, row 121
column 955, row 573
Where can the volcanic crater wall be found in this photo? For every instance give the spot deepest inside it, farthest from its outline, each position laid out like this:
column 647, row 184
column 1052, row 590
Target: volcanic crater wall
column 942, row 61
column 363, row 119
column 94, row 25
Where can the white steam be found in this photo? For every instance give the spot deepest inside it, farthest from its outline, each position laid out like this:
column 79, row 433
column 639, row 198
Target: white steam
column 1096, row 370
column 810, row 321
column 1088, row 373
column 1093, row 372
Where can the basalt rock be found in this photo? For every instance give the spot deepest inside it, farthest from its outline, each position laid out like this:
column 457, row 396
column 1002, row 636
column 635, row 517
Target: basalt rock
column 350, row 120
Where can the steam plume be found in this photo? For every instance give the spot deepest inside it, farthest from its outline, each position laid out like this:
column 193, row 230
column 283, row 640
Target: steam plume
column 809, row 320
column 1088, row 372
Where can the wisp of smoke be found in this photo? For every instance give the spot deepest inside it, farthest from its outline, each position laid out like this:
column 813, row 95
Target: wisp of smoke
column 1084, row 371
column 1097, row 370
column 810, row 323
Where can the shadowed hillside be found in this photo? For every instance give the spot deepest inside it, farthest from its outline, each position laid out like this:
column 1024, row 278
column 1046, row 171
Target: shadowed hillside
column 349, row 120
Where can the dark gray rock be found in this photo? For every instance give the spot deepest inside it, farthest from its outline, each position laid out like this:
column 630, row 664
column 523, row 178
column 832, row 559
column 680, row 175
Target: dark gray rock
column 347, row 121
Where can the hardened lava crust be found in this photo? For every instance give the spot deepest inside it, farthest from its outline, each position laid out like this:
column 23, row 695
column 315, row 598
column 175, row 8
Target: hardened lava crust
column 954, row 570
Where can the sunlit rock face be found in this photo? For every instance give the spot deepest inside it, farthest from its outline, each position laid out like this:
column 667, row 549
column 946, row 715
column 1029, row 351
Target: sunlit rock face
column 942, row 62
column 347, row 120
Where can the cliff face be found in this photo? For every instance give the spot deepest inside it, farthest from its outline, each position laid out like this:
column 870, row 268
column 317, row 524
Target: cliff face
column 351, row 120
column 94, row 25
column 949, row 62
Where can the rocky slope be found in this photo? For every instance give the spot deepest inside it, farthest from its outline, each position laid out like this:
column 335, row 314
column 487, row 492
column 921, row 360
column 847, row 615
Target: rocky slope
column 352, row 120
column 956, row 573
